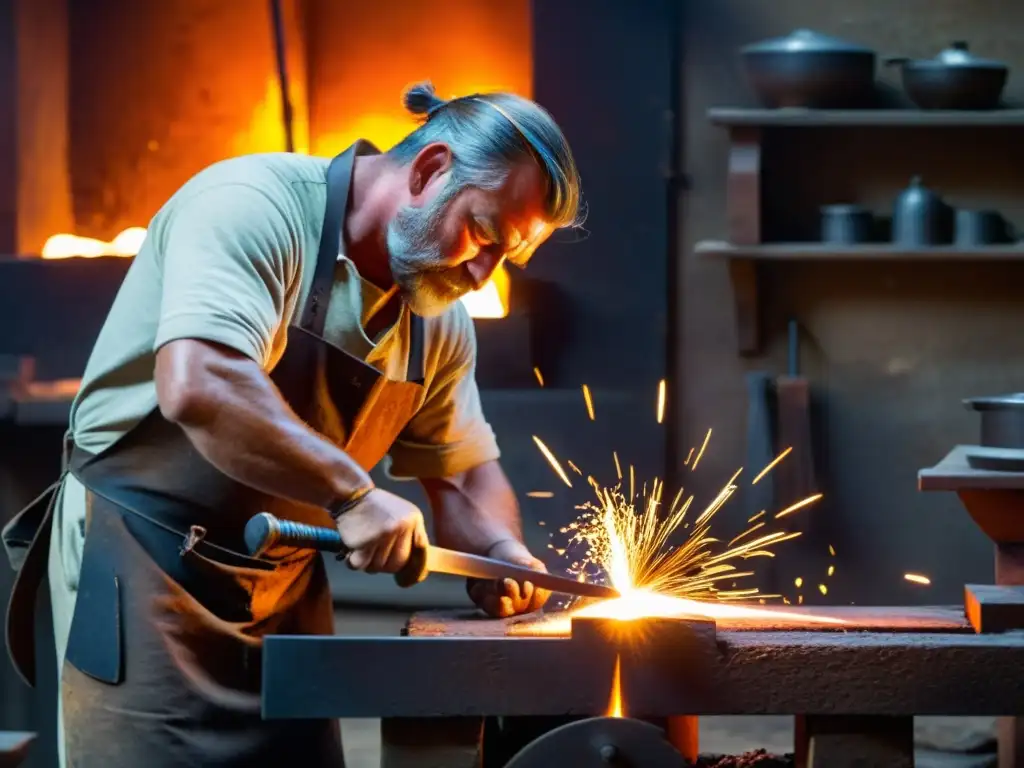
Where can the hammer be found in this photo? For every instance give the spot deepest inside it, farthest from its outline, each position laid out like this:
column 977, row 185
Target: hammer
column 265, row 531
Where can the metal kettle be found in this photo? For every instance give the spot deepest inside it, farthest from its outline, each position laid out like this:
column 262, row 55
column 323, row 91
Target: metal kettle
column 921, row 217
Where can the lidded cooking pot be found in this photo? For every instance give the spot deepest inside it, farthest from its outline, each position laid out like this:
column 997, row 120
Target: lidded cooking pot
column 809, row 69
column 954, row 79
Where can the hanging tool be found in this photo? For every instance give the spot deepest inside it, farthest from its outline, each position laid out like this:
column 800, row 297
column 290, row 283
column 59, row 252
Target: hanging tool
column 796, row 475
column 760, row 497
column 264, row 531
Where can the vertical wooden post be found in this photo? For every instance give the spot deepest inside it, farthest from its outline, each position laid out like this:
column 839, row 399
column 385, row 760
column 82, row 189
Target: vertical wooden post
column 35, row 184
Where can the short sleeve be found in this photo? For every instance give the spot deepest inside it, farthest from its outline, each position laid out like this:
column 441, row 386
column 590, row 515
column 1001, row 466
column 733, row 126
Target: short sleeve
column 228, row 258
column 449, row 433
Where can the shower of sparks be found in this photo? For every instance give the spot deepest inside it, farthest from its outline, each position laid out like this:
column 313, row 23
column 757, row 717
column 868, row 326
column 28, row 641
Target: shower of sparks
column 771, row 466
column 588, row 401
column 700, row 453
column 661, row 401
column 541, row 495
column 917, row 578
column 799, row 505
column 630, row 541
column 540, row 377
column 552, row 461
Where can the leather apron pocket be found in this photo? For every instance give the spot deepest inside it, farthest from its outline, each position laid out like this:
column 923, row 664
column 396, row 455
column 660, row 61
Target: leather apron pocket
column 95, row 641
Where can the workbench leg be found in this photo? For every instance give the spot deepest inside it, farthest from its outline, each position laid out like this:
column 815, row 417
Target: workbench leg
column 431, row 742
column 683, row 733
column 834, row 741
column 1010, row 730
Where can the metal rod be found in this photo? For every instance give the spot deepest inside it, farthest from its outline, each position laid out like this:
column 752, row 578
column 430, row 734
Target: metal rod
column 282, row 74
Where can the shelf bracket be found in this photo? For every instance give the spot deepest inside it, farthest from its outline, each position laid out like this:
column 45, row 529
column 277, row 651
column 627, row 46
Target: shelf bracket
column 743, row 275
column 743, row 204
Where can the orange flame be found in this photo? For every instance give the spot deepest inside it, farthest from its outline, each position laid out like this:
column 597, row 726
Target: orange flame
column 615, row 699
column 490, row 302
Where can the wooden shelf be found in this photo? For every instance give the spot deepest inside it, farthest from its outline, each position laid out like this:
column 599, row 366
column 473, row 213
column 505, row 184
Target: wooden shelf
column 746, row 128
column 864, row 251
column 881, row 118
column 744, row 259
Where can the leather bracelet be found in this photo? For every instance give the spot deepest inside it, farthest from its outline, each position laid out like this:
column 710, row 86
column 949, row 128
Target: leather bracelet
column 340, row 507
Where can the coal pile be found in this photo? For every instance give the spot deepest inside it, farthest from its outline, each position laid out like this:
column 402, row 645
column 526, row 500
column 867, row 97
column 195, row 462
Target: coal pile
column 757, row 759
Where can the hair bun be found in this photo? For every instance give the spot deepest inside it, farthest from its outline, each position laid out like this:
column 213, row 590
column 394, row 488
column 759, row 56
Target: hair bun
column 420, row 99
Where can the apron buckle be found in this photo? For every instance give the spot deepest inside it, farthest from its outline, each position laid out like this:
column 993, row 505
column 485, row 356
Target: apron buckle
column 195, row 535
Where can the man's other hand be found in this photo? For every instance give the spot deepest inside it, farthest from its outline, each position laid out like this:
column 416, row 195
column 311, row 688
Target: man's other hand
column 501, row 599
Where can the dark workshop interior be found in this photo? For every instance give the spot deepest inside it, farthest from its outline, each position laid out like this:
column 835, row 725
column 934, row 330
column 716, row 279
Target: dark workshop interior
column 809, row 246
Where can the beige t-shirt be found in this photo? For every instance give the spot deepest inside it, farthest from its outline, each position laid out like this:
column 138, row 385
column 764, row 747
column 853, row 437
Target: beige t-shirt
column 230, row 259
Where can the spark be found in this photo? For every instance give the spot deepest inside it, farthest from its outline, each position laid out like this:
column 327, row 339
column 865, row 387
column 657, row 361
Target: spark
column 755, row 517
column 823, row 589
column 799, row 582
column 799, row 505
column 540, row 495
column 588, row 402
column 771, row 465
column 552, row 461
column 831, row 550
column 831, row 570
column 661, row 401
column 574, row 468
column 618, row 467
column 688, row 457
column 540, row 377
column 701, row 451
column 917, row 578
column 751, row 529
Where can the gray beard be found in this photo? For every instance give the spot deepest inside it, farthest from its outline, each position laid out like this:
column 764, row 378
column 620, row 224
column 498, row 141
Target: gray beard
column 427, row 285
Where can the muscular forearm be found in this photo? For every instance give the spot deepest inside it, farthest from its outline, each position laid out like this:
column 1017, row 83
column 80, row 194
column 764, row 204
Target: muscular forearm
column 236, row 418
column 474, row 510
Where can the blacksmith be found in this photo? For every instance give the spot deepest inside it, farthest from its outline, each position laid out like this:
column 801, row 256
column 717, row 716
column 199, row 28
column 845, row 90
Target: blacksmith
column 289, row 322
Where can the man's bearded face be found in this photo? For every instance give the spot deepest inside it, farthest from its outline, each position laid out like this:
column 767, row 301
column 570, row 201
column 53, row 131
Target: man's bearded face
column 426, row 277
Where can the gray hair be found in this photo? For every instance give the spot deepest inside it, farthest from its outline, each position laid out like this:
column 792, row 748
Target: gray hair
column 488, row 133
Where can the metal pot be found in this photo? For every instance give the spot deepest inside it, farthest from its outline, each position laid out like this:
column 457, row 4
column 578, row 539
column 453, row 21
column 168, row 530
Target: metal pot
column 955, row 79
column 809, row 69
column 846, row 224
column 921, row 217
column 1002, row 419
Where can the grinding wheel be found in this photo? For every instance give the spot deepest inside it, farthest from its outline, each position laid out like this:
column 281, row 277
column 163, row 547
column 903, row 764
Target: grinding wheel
column 601, row 742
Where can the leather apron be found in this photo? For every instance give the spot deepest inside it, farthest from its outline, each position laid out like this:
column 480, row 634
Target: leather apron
column 163, row 662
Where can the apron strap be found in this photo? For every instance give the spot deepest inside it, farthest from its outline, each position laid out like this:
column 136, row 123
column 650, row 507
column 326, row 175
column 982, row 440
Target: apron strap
column 339, row 184
column 414, row 373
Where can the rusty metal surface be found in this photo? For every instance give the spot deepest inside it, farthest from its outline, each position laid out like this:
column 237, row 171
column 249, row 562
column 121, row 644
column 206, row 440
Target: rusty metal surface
column 860, row 618
column 665, row 671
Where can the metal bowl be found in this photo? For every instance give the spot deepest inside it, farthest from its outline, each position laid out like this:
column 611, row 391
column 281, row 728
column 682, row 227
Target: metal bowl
column 1002, row 419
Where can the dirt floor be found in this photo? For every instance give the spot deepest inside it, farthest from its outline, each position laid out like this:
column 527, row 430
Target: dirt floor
column 942, row 742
